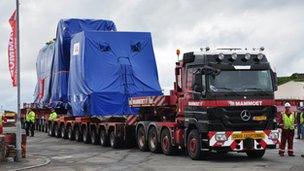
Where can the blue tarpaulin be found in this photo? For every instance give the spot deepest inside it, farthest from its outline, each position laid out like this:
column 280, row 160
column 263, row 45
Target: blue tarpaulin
column 109, row 67
column 61, row 64
column 44, row 74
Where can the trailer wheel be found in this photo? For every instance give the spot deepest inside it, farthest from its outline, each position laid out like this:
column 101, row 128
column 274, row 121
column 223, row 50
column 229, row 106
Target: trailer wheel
column 51, row 130
column 153, row 140
column 94, row 137
column 63, row 132
column 46, row 127
column 141, row 139
column 71, row 135
column 78, row 136
column 194, row 145
column 255, row 154
column 166, row 144
column 104, row 139
column 57, row 131
column 114, row 141
column 86, row 136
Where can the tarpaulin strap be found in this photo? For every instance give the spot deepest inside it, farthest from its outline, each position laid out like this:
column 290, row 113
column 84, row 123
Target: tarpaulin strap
column 60, row 72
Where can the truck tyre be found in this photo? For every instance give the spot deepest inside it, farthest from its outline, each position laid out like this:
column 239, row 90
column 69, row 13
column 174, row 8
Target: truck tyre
column 63, row 132
column 104, row 138
column 114, row 141
column 57, row 131
column 71, row 135
column 153, row 143
column 255, row 154
column 194, row 145
column 78, row 135
column 94, row 137
column 141, row 139
column 166, row 144
column 86, row 135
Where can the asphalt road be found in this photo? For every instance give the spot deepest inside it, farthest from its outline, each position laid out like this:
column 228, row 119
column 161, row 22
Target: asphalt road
column 68, row 155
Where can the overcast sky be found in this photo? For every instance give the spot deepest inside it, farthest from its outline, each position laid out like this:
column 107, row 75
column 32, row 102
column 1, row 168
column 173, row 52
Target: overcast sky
column 185, row 24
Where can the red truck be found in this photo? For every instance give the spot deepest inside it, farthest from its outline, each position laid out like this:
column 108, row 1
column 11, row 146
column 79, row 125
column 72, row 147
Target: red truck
column 223, row 100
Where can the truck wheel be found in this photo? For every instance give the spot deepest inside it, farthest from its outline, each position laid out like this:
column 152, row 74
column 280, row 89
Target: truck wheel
column 114, row 141
column 141, row 139
column 63, row 132
column 194, row 145
column 94, row 137
column 153, row 140
column 71, row 135
column 57, row 131
column 166, row 144
column 255, row 154
column 104, row 139
column 86, row 136
column 78, row 136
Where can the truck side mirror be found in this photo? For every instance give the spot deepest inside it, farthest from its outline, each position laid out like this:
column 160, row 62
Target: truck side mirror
column 197, row 83
column 275, row 81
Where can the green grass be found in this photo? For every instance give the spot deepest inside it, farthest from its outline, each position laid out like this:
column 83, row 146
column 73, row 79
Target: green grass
column 299, row 77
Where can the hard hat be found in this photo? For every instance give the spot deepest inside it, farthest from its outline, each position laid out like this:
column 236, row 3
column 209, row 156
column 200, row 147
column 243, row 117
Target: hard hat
column 287, row 105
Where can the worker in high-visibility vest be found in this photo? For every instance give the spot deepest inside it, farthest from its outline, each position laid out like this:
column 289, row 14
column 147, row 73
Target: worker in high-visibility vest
column 30, row 119
column 53, row 115
column 287, row 123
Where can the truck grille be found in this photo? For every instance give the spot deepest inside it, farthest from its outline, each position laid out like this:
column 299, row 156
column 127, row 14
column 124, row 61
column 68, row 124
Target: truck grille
column 229, row 118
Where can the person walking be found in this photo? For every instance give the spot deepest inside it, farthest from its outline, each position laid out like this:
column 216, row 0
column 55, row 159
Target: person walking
column 30, row 118
column 287, row 123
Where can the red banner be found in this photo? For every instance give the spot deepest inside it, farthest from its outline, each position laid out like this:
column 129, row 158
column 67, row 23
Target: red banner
column 12, row 50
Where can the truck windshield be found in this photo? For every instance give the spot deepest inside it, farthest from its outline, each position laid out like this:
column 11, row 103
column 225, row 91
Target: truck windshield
column 241, row 81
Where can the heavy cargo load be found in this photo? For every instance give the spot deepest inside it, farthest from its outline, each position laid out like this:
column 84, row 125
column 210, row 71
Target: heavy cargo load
column 44, row 74
column 109, row 67
column 65, row 30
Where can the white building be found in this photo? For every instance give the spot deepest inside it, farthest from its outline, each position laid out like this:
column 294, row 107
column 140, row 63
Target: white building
column 292, row 92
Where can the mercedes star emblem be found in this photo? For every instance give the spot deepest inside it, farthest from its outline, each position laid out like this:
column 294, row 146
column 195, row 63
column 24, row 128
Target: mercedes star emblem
column 245, row 115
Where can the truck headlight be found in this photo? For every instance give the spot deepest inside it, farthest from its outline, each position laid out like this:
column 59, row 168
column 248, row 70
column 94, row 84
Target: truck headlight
column 247, row 56
column 221, row 56
column 233, row 56
column 220, row 137
column 260, row 56
column 273, row 136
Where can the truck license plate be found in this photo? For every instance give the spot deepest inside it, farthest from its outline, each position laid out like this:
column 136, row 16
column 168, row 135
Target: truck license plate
column 253, row 135
column 259, row 118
